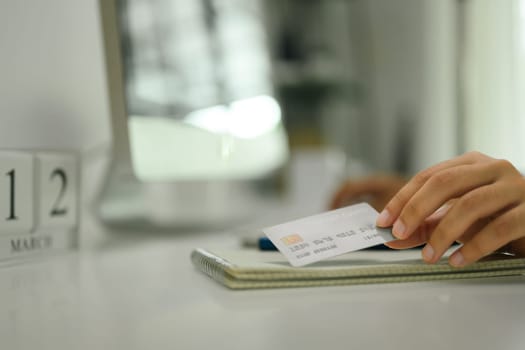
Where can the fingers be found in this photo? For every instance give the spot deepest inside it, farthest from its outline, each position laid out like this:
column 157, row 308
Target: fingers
column 486, row 209
column 516, row 247
column 465, row 213
column 422, row 234
column 504, row 229
column 449, row 183
column 398, row 202
column 419, row 237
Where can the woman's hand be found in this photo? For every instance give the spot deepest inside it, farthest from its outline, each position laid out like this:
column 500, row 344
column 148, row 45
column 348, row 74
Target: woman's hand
column 474, row 199
column 376, row 190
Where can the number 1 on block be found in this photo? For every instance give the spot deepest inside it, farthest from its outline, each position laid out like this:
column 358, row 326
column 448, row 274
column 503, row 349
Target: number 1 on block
column 16, row 192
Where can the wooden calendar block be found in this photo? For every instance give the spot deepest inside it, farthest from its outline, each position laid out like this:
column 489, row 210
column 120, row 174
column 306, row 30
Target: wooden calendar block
column 57, row 186
column 16, row 192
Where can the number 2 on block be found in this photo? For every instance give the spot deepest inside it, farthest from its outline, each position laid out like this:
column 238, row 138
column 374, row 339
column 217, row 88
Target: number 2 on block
column 57, row 178
column 58, row 209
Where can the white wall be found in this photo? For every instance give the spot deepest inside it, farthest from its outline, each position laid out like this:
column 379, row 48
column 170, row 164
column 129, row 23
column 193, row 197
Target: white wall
column 495, row 79
column 52, row 86
column 436, row 136
column 406, row 52
column 52, row 89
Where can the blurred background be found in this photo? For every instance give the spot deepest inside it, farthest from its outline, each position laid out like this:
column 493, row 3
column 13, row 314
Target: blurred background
column 399, row 84
column 276, row 91
column 294, row 96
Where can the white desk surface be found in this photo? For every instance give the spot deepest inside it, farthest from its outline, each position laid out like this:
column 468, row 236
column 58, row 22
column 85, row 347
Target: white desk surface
column 130, row 291
column 145, row 294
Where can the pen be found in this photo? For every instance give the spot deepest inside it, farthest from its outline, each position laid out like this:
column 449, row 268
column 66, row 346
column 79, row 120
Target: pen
column 261, row 243
column 264, row 243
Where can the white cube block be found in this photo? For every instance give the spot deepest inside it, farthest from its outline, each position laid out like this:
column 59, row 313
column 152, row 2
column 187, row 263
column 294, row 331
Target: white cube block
column 57, row 188
column 16, row 192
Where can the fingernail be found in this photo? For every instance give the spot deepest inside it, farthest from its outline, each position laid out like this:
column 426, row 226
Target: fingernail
column 399, row 229
column 382, row 219
column 457, row 259
column 428, row 253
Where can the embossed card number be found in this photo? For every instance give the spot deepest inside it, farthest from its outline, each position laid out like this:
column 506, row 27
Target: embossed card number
column 325, row 235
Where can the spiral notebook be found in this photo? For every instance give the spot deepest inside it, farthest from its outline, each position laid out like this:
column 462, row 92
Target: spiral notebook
column 251, row 269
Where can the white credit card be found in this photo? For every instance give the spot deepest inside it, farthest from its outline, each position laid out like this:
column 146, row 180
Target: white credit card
column 322, row 236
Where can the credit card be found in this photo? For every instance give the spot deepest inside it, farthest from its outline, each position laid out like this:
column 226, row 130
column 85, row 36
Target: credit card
column 322, row 236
